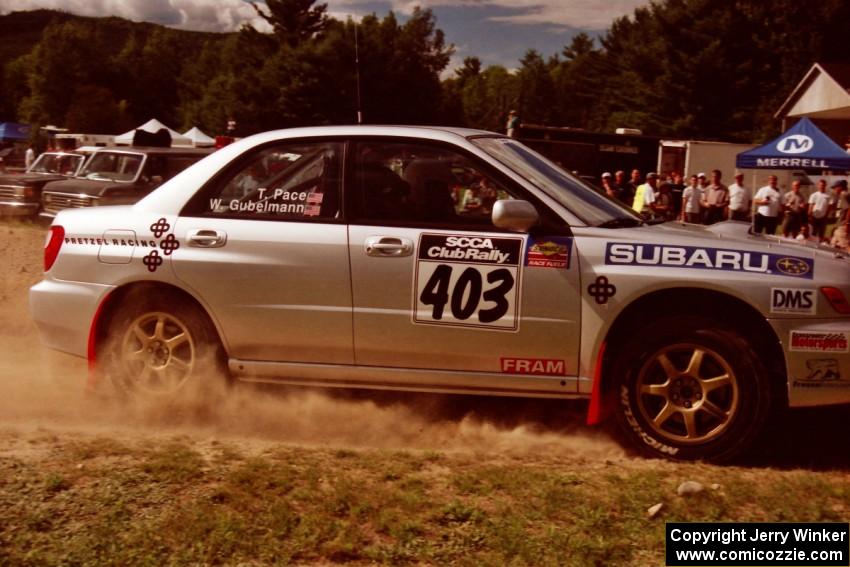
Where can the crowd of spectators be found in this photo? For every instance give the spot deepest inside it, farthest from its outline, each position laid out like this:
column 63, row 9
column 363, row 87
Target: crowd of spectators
column 822, row 217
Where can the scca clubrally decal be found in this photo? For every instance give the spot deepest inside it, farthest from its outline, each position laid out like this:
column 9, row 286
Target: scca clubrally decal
column 468, row 281
column 698, row 257
column 153, row 260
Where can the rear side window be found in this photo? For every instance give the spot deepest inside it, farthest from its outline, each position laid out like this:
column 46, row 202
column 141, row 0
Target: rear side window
column 291, row 181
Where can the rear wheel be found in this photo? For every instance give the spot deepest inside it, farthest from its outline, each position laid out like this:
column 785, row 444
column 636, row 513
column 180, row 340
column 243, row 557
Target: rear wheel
column 161, row 347
column 691, row 389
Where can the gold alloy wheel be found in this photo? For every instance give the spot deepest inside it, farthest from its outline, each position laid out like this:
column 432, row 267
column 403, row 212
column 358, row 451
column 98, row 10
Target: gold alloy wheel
column 158, row 353
column 687, row 393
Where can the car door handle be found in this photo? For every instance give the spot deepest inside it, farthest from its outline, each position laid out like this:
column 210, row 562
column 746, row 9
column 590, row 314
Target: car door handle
column 388, row 246
column 204, row 238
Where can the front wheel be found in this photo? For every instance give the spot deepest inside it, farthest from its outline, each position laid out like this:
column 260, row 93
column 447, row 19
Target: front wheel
column 161, row 347
column 690, row 389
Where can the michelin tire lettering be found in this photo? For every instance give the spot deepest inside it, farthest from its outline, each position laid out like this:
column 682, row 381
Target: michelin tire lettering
column 666, row 256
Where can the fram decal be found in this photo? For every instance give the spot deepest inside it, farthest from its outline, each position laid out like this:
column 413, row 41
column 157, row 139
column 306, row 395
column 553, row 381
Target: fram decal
column 535, row 366
column 814, row 341
column 823, row 373
column 549, row 252
column 697, row 257
column 793, row 300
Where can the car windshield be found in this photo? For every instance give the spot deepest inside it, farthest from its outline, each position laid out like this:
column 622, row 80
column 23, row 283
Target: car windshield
column 113, row 166
column 64, row 164
column 590, row 206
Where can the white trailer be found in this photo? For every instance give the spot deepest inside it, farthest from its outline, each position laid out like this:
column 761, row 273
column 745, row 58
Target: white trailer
column 692, row 157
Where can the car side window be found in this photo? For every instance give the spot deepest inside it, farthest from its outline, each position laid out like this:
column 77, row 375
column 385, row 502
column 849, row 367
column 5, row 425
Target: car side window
column 407, row 182
column 293, row 181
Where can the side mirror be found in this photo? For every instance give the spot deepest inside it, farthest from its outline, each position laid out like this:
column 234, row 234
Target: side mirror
column 514, row 214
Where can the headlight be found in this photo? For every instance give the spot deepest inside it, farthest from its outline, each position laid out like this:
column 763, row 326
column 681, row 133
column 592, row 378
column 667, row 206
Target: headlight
column 24, row 191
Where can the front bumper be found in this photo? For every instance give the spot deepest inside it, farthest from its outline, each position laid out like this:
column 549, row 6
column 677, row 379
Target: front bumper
column 817, row 356
column 63, row 312
column 18, row 208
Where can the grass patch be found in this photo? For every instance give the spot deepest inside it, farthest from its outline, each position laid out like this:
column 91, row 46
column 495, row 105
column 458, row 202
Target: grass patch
column 156, row 502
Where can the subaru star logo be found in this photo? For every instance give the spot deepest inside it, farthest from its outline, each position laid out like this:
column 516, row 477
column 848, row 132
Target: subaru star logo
column 792, row 266
column 795, row 144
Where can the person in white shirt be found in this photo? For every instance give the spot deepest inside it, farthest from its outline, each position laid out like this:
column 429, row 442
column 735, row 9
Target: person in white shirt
column 820, row 204
column 691, row 198
column 767, row 201
column 29, row 157
column 740, row 200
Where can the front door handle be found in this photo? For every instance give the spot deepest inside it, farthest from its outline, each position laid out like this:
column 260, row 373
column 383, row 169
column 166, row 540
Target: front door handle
column 383, row 246
column 205, row 238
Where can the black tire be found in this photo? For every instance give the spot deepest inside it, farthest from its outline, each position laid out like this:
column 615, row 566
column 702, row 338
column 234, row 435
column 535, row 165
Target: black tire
column 162, row 347
column 690, row 388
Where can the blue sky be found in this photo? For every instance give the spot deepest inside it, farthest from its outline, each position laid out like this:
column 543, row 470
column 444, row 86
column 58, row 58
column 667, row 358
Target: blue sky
column 497, row 31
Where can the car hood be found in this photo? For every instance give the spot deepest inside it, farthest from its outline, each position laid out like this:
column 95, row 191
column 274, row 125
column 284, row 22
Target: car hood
column 31, row 178
column 91, row 187
column 729, row 235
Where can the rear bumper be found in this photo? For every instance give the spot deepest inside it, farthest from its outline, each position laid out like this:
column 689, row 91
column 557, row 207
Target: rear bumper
column 817, row 356
column 63, row 312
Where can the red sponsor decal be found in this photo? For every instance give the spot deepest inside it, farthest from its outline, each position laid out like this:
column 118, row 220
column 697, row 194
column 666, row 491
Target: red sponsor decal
column 553, row 253
column 819, row 342
column 536, row 366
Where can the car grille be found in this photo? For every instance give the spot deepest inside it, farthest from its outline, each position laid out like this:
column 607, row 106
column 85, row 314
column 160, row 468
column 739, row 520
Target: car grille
column 8, row 190
column 55, row 202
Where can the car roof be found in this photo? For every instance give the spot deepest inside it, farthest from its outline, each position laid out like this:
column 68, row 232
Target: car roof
column 162, row 151
column 380, row 130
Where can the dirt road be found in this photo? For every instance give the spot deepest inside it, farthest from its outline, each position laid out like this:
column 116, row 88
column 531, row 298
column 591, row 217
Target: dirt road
column 40, row 388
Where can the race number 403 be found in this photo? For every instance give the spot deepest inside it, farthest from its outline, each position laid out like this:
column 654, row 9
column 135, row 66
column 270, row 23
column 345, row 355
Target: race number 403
column 468, row 281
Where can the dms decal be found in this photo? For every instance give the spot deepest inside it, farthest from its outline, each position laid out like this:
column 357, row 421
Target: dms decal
column 549, row 252
column 626, row 253
column 535, row 366
column 813, row 341
column 468, row 281
column 823, row 373
column 792, row 300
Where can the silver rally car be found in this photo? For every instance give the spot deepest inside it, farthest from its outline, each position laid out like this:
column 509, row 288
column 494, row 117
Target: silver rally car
column 445, row 260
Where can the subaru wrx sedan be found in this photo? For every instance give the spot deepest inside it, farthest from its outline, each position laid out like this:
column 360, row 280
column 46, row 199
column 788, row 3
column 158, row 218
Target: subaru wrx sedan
column 445, row 260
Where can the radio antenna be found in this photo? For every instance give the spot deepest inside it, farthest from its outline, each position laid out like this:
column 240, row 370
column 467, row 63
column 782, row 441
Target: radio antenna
column 357, row 72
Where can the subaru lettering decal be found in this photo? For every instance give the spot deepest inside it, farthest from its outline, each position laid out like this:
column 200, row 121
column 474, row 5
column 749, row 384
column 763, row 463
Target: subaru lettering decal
column 627, row 253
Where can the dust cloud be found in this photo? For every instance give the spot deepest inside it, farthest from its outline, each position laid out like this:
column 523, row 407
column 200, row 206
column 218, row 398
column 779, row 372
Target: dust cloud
column 40, row 388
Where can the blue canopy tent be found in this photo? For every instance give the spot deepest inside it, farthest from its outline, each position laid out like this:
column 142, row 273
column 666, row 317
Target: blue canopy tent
column 12, row 132
column 803, row 146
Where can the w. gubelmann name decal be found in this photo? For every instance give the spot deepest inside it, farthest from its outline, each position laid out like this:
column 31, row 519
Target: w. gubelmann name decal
column 698, row 257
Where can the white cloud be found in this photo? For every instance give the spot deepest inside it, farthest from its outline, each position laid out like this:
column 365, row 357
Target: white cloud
column 582, row 14
column 229, row 15
column 200, row 15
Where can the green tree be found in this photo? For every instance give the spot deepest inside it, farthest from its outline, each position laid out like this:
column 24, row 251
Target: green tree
column 294, row 21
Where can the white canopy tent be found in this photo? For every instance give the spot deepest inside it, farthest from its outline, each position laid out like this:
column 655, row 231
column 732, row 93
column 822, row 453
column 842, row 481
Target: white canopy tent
column 199, row 139
column 153, row 126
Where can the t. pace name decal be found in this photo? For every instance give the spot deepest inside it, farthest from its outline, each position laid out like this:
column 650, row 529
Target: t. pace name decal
column 697, row 257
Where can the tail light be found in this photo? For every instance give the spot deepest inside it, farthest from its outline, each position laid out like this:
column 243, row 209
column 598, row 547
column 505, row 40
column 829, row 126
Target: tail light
column 51, row 247
column 836, row 299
